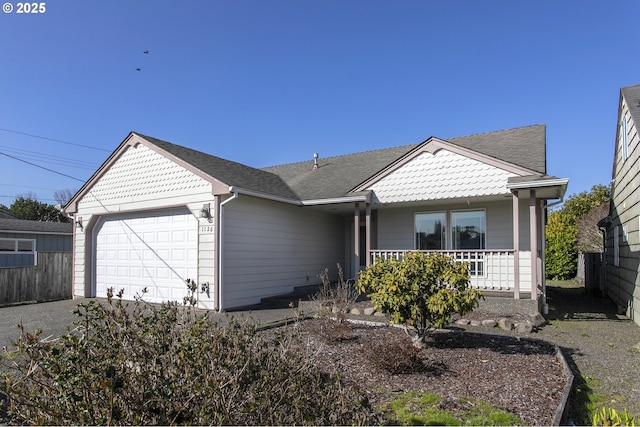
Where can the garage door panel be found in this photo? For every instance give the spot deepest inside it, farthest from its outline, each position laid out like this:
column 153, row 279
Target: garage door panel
column 157, row 251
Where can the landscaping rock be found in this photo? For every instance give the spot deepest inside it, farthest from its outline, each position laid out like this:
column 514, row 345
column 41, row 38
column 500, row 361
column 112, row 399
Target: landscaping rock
column 538, row 320
column 525, row 327
column 369, row 311
column 489, row 323
column 378, row 314
column 475, row 323
column 463, row 322
column 505, row 324
column 355, row 311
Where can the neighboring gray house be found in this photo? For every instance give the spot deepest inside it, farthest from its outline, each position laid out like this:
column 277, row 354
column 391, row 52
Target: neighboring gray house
column 623, row 223
column 6, row 215
column 20, row 240
column 156, row 214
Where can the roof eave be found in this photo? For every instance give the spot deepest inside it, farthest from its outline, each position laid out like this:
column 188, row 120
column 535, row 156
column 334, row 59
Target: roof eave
column 261, row 195
column 352, row 198
column 547, row 188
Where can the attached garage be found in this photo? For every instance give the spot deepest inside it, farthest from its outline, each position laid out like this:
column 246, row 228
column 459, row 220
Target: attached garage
column 157, row 251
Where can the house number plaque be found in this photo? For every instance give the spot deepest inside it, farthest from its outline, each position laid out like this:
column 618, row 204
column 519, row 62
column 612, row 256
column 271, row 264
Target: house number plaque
column 206, row 229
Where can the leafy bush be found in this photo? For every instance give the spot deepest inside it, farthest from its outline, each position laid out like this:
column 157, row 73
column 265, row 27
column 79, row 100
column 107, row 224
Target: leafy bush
column 168, row 365
column 421, row 292
column 561, row 232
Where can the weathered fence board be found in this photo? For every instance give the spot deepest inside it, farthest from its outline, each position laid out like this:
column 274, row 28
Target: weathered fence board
column 49, row 280
column 594, row 274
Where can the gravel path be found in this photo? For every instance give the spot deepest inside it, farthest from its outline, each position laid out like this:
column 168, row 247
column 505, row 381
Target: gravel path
column 602, row 348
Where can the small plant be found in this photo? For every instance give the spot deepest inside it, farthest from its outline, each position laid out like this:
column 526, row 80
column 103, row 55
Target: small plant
column 332, row 332
column 395, row 354
column 421, row 291
column 610, row 417
column 336, row 298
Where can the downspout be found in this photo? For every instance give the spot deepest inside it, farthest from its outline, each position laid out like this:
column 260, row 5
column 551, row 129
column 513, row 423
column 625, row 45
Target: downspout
column 220, row 247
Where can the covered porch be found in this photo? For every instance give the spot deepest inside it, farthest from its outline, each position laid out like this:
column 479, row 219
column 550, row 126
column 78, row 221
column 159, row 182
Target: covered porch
column 509, row 258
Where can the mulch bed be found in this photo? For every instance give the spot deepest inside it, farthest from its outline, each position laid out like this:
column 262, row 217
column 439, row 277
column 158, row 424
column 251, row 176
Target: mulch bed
column 521, row 376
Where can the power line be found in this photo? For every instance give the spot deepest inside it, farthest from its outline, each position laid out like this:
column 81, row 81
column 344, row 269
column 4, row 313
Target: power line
column 54, row 140
column 17, row 196
column 28, row 186
column 49, row 158
column 41, row 167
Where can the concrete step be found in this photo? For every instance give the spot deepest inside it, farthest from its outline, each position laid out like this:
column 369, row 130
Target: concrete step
column 291, row 299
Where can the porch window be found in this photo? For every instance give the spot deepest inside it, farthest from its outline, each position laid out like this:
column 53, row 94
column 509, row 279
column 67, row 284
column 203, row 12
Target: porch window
column 431, row 231
column 468, row 229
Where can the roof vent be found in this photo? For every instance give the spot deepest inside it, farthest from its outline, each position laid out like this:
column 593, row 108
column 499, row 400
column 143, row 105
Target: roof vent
column 315, row 161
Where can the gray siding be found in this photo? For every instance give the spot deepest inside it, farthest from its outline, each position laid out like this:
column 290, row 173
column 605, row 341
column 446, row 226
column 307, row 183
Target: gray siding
column 270, row 247
column 396, row 226
column 44, row 243
column 622, row 280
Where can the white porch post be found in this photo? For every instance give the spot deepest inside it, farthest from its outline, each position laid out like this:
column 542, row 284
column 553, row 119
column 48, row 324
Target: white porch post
column 356, row 239
column 368, row 234
column 533, row 226
column 217, row 201
column 516, row 245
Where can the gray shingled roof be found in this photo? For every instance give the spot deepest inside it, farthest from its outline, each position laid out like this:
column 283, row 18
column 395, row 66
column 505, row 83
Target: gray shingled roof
column 524, row 146
column 338, row 175
column 7, row 215
column 632, row 96
column 229, row 172
column 8, row 224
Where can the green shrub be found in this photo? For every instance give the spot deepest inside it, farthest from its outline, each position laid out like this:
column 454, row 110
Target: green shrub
column 421, row 292
column 168, row 365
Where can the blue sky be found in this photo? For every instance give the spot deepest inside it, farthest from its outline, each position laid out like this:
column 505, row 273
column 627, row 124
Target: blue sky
column 267, row 82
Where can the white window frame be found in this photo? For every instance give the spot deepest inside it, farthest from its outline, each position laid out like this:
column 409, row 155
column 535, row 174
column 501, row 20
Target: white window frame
column 16, row 246
column 624, row 138
column 476, row 265
column 616, row 246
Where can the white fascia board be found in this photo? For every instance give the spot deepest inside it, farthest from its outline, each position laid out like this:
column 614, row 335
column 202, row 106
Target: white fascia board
column 347, row 199
column 538, row 184
column 246, row 192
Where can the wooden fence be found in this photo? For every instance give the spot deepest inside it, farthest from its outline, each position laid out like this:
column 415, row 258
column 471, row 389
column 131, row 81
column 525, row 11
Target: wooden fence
column 594, row 274
column 49, row 280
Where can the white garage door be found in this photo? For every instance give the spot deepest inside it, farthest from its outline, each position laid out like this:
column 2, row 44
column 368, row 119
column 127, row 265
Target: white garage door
column 156, row 251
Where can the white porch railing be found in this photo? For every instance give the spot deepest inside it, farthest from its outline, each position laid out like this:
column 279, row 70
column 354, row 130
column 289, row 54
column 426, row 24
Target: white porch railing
column 491, row 269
